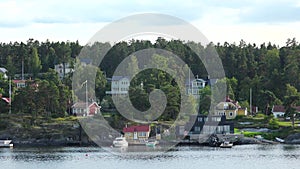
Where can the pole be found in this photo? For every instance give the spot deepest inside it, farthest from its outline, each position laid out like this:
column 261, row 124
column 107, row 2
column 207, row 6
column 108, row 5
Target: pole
column 251, row 102
column 22, row 69
column 86, row 98
column 9, row 95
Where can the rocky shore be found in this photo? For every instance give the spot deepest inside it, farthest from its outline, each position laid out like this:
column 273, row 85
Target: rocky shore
column 68, row 132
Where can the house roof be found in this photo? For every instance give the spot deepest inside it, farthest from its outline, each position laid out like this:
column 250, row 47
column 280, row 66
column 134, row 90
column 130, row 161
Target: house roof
column 86, row 60
column 236, row 103
column 280, row 108
column 3, row 70
column 18, row 81
column 117, row 78
column 143, row 128
column 83, row 105
column 190, row 81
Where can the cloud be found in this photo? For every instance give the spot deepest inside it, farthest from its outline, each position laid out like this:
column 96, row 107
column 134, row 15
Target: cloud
column 272, row 12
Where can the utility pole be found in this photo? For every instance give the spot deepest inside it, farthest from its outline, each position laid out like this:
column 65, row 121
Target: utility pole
column 251, row 102
column 86, row 97
column 9, row 95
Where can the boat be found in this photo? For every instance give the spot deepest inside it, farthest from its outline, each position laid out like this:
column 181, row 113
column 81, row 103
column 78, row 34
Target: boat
column 6, row 143
column 259, row 137
column 151, row 143
column 279, row 140
column 226, row 144
column 120, row 142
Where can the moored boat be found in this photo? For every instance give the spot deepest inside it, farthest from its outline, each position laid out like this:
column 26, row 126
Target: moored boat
column 279, row 140
column 6, row 143
column 151, row 143
column 226, row 144
column 120, row 142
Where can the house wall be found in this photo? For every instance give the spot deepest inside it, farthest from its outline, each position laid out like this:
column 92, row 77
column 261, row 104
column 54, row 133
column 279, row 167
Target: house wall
column 119, row 86
column 242, row 112
column 278, row 114
column 140, row 135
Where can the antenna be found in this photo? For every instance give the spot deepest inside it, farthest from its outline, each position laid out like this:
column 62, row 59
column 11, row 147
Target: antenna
column 22, row 69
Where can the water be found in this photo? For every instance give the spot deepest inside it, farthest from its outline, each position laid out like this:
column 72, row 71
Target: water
column 240, row 157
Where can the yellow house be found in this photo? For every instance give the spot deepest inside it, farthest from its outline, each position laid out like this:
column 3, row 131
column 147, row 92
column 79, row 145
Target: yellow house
column 242, row 112
column 135, row 133
column 228, row 109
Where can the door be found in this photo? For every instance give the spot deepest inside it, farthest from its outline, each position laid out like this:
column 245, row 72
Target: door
column 135, row 136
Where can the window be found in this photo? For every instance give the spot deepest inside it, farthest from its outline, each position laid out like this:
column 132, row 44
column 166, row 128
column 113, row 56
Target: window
column 230, row 114
column 197, row 128
column 200, row 119
column 216, row 118
column 142, row 134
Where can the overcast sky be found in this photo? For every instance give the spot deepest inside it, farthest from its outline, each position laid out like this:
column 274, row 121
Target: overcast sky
column 254, row 21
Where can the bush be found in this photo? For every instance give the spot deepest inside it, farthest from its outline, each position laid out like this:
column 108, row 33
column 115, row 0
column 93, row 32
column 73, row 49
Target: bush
column 273, row 123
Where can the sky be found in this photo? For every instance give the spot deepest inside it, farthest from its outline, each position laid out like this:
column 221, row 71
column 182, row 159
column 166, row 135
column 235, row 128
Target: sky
column 254, row 21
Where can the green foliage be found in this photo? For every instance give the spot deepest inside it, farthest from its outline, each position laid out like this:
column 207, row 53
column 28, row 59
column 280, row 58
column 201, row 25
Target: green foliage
column 35, row 63
column 273, row 123
column 267, row 69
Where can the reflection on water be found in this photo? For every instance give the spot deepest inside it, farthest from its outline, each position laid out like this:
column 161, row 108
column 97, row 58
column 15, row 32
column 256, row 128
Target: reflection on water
column 246, row 156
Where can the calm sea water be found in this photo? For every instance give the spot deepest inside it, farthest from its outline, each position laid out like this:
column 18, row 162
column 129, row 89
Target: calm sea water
column 238, row 157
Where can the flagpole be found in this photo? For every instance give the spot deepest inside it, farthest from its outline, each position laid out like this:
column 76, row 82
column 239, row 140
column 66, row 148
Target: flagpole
column 9, row 95
column 86, row 97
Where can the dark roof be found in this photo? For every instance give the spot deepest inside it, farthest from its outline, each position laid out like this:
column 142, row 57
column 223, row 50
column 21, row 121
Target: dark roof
column 143, row 128
column 280, row 108
column 236, row 103
column 212, row 82
column 86, row 60
column 117, row 78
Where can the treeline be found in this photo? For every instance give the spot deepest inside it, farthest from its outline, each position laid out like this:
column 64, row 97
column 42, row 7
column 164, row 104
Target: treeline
column 271, row 72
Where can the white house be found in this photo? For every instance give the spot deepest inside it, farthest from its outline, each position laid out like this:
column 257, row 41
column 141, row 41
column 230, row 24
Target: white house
column 20, row 83
column 194, row 86
column 279, row 111
column 3, row 71
column 79, row 109
column 119, row 85
column 59, row 68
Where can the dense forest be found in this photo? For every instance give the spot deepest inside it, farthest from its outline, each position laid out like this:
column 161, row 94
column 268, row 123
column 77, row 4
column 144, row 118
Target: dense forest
column 272, row 72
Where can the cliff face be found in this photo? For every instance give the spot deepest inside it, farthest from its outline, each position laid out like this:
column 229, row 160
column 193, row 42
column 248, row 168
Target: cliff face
column 25, row 131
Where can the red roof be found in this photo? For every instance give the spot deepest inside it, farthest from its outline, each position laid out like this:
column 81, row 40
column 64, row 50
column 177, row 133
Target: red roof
column 19, row 81
column 279, row 108
column 144, row 128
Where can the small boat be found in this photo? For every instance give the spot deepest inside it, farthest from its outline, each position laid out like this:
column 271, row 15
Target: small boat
column 120, row 142
column 259, row 137
column 226, row 144
column 6, row 143
column 151, row 143
column 279, row 140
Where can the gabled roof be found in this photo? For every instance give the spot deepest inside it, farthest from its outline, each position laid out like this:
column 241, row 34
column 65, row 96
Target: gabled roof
column 236, row 103
column 3, row 70
column 280, row 108
column 190, row 81
column 83, row 105
column 86, row 60
column 143, row 128
column 117, row 78
column 18, row 81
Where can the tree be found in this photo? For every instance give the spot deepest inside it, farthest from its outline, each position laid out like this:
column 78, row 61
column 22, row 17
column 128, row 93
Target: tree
column 205, row 100
column 291, row 99
column 10, row 67
column 35, row 63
